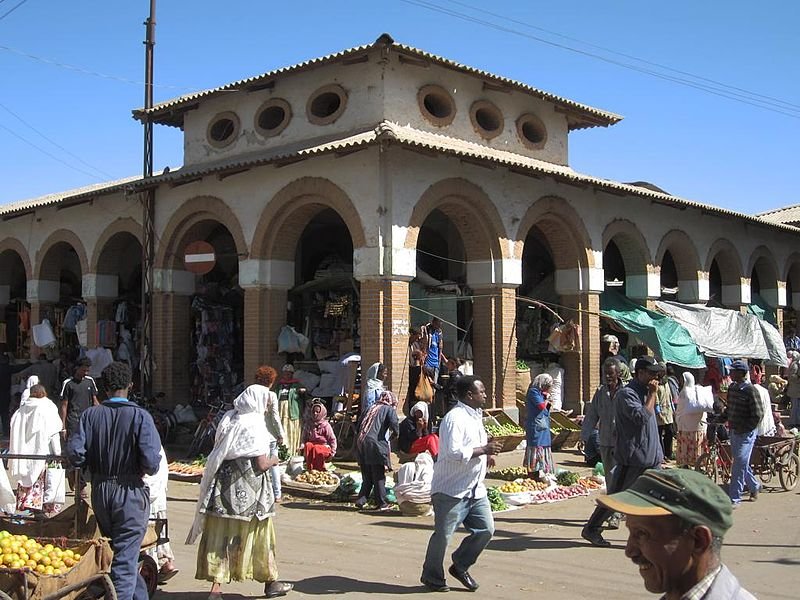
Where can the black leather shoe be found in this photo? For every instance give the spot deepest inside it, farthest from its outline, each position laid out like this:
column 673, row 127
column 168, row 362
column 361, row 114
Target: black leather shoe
column 464, row 577
column 432, row 587
column 594, row 538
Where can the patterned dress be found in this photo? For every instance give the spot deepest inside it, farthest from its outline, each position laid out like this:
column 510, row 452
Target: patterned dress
column 238, row 542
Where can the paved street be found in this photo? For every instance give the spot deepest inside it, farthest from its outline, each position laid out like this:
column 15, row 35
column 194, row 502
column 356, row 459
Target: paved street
column 328, row 549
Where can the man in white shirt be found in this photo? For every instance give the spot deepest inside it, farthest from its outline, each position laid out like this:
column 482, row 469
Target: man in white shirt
column 457, row 490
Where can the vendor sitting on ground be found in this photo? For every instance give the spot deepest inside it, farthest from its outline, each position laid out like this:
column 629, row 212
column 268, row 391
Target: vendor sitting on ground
column 415, row 436
column 317, row 442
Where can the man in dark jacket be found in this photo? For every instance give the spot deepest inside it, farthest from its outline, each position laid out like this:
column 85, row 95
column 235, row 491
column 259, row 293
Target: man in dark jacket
column 117, row 443
column 638, row 447
column 744, row 412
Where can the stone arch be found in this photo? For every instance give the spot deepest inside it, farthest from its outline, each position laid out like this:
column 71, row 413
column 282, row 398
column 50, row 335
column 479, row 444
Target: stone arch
column 683, row 251
column 192, row 220
column 470, row 210
column 15, row 246
column 763, row 261
column 631, row 244
column 49, row 269
column 286, row 215
column 728, row 259
column 120, row 226
column 564, row 230
column 791, row 270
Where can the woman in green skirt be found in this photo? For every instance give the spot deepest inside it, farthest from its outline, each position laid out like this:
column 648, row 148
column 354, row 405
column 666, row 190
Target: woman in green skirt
column 236, row 506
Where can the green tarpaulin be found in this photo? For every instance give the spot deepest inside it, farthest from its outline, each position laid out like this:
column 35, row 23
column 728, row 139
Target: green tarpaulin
column 669, row 340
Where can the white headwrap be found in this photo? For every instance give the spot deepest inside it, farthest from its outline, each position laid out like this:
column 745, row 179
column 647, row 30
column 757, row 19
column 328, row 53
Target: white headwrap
column 35, row 429
column 26, row 393
column 242, row 433
column 422, row 407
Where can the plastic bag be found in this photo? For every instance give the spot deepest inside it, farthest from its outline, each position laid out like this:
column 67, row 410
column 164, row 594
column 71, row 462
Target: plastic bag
column 82, row 332
column 55, row 490
column 291, row 341
column 43, row 335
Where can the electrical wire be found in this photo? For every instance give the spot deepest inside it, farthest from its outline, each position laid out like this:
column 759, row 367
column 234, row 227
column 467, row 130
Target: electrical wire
column 5, row 14
column 624, row 55
column 56, row 144
column 730, row 95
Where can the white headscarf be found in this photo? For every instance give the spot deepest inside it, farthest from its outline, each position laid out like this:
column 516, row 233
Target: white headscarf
column 26, row 393
column 35, row 429
column 242, row 433
column 422, row 407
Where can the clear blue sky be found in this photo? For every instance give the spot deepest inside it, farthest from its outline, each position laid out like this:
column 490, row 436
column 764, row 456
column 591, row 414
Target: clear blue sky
column 691, row 143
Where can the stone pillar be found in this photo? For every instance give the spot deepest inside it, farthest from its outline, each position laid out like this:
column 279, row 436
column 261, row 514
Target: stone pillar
column 694, row 291
column 172, row 291
column 644, row 286
column 735, row 296
column 383, row 327
column 494, row 344
column 580, row 290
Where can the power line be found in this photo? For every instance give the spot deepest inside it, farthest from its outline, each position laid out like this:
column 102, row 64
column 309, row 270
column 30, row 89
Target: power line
column 56, row 144
column 735, row 96
column 45, row 152
column 642, row 60
column 4, row 15
column 69, row 67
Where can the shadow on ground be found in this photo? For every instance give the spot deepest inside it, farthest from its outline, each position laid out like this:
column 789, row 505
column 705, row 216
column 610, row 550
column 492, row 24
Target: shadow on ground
column 333, row 584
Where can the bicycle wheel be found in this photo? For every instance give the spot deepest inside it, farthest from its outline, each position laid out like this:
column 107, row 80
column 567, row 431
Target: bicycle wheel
column 197, row 440
column 790, row 473
column 708, row 465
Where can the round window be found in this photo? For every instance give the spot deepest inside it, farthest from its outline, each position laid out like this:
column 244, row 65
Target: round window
column 273, row 117
column 223, row 129
column 326, row 104
column 531, row 131
column 486, row 119
column 436, row 105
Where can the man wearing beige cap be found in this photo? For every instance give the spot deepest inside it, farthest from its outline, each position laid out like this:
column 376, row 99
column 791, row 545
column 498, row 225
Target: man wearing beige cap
column 676, row 520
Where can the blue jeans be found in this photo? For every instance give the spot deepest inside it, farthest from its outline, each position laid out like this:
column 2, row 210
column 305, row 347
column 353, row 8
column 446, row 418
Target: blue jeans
column 741, row 472
column 275, row 472
column 449, row 513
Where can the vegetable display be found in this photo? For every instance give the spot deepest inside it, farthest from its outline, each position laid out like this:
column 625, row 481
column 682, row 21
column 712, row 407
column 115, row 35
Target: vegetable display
column 509, row 473
column 502, row 430
column 567, row 478
column 317, row 478
column 22, row 552
column 283, row 453
column 523, row 485
column 560, row 493
column 196, row 467
column 496, row 500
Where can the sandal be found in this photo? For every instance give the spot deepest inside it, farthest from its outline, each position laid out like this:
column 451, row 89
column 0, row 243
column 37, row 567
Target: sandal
column 277, row 588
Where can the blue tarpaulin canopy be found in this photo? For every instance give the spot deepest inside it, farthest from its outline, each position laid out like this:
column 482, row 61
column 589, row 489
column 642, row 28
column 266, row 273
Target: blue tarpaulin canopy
column 668, row 339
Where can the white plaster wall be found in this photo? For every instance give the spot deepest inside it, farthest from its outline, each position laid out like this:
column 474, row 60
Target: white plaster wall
column 404, row 80
column 361, row 81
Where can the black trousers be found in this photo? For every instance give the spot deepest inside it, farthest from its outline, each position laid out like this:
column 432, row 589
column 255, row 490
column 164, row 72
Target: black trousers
column 666, row 435
column 373, row 479
column 621, row 479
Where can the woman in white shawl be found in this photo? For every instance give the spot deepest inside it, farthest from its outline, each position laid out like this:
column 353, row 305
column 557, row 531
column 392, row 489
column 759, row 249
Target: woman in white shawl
column 691, row 425
column 375, row 376
column 35, row 429
column 236, row 505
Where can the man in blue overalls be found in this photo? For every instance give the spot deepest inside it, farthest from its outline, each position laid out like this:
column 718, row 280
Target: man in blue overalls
column 117, row 443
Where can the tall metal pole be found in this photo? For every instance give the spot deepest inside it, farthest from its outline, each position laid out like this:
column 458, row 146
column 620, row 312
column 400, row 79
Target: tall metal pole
column 148, row 215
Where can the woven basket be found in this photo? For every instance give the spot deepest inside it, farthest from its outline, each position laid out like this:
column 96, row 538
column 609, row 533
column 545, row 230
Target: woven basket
column 298, row 488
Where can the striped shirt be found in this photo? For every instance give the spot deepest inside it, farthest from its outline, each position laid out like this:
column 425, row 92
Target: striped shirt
column 456, row 473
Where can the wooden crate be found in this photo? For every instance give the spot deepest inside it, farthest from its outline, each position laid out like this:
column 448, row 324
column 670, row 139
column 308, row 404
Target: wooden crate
column 497, row 416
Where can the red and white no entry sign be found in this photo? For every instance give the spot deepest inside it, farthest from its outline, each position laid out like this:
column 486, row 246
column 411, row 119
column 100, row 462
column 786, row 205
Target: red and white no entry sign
column 199, row 257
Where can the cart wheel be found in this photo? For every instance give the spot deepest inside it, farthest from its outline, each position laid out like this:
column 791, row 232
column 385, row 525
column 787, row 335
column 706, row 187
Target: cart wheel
column 148, row 569
column 790, row 473
column 708, row 466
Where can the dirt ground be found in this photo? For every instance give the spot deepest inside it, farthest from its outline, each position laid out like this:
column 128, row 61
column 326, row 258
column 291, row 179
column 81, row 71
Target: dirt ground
column 333, row 549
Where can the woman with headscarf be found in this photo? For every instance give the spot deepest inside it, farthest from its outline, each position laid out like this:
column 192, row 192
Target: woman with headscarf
column 373, row 388
column 372, row 449
column 235, row 504
column 35, row 429
column 691, row 426
column 317, row 442
column 414, row 436
column 538, row 454
column 290, row 405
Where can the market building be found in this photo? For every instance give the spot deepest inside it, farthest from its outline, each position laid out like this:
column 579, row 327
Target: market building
column 354, row 195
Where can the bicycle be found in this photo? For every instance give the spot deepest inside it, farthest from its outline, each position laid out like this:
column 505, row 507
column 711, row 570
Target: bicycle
column 203, row 439
column 716, row 462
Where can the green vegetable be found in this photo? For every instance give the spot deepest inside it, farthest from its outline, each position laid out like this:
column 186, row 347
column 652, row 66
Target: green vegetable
column 522, row 365
column 567, row 478
column 496, row 499
column 502, row 430
column 283, row 453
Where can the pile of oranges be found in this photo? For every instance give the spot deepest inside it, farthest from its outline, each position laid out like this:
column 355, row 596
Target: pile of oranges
column 20, row 551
